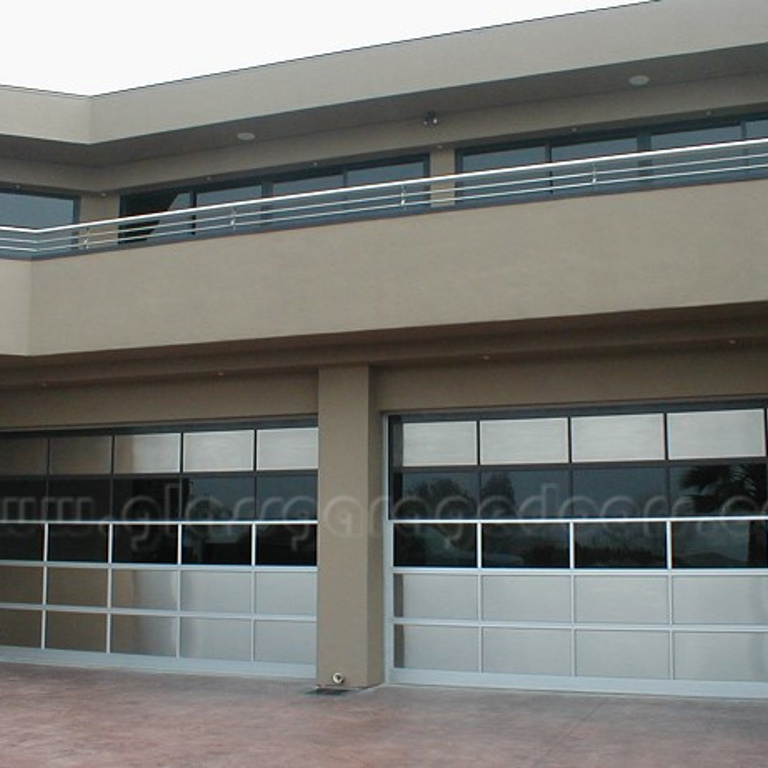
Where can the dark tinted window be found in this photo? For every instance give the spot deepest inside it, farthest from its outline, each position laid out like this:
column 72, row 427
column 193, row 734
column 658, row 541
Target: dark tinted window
column 216, row 544
column 621, row 545
column 151, row 498
column 213, row 497
column 22, row 499
column 287, row 497
column 718, row 489
column 436, row 495
column 86, row 543
column 78, row 499
column 444, row 545
column 619, row 492
column 23, row 210
column 535, row 493
column 719, row 544
column 286, row 544
column 21, row 542
column 145, row 544
column 526, row 546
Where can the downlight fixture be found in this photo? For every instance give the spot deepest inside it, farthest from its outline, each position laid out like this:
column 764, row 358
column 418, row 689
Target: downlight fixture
column 639, row 80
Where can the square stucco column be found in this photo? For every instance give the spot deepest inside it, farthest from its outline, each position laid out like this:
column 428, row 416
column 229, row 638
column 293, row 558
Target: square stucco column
column 350, row 544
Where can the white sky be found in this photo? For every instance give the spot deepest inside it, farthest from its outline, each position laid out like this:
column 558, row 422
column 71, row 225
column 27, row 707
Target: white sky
column 94, row 46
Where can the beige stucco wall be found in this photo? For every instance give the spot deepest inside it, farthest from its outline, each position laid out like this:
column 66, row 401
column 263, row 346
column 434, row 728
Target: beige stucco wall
column 15, row 302
column 686, row 247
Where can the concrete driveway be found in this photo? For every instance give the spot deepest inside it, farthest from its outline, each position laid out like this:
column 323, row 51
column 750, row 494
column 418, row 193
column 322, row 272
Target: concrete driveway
column 73, row 718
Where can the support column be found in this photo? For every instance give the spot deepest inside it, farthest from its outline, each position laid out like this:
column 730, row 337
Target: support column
column 350, row 624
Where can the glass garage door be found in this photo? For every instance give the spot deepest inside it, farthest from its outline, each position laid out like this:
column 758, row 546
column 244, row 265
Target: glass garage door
column 588, row 550
column 170, row 548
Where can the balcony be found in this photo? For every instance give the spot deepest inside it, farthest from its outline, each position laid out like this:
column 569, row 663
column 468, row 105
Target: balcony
column 543, row 241
column 731, row 161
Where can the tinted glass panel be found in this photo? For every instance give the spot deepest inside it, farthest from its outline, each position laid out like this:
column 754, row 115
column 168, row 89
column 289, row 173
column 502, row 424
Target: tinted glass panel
column 619, row 492
column 70, row 543
column 24, row 456
column 444, row 496
column 719, row 489
column 219, row 498
column 442, row 545
column 606, row 175
column 21, row 542
column 535, row 493
column 145, row 544
column 149, row 498
column 306, row 210
column 521, row 185
column 526, row 546
column 287, row 497
column 621, row 545
column 78, row 499
column 22, row 499
column 380, row 201
column 20, row 210
column 286, row 544
column 216, row 544
column 757, row 129
column 156, row 202
column 719, row 544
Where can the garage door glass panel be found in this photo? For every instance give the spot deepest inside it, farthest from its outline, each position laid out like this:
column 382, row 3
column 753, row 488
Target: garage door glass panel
column 719, row 544
column 621, row 545
column 524, row 494
column 442, row 545
column 718, row 489
column 526, row 546
column 619, row 492
column 432, row 495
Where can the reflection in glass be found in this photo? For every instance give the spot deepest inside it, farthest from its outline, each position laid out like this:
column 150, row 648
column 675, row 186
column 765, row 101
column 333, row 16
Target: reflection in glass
column 612, row 174
column 22, row 499
column 286, row 545
column 443, row 545
column 72, row 543
column 78, row 499
column 159, row 201
column 147, row 498
column 145, row 544
column 533, row 493
column 435, row 496
column 719, row 489
column 216, row 544
column 526, row 546
column 22, row 209
column 621, row 545
column 219, row 498
column 619, row 492
column 287, row 497
column 719, row 544
column 21, row 542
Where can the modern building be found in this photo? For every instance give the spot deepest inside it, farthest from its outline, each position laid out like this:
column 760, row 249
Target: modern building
column 443, row 361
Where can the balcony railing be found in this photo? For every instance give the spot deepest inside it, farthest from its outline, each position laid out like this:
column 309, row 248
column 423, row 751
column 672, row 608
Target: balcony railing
column 731, row 161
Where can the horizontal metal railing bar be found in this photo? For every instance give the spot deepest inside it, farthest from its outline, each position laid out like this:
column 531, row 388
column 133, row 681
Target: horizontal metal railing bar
column 645, row 166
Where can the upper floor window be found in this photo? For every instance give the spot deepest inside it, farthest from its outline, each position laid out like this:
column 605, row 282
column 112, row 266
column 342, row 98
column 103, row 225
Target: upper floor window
column 266, row 188
column 23, row 209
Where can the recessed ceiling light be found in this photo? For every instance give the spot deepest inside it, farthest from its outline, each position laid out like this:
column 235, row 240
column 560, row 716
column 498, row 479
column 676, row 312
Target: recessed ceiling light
column 246, row 136
column 639, row 80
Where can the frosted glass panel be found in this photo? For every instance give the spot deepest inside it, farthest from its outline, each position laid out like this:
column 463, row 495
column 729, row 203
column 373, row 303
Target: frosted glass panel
column 524, row 441
column 216, row 639
column 618, row 438
column 148, row 454
column 219, row 592
column 284, row 642
column 81, row 455
column 76, row 631
column 721, row 599
column 145, row 589
column 446, row 648
column 25, row 456
column 21, row 628
column 722, row 656
column 441, row 444
column 286, row 593
column 629, row 600
column 622, row 654
column 436, row 596
column 21, row 585
column 287, row 448
column 527, row 651
column 219, row 451
column 527, row 598
column 77, row 586
column 716, row 434
column 152, row 635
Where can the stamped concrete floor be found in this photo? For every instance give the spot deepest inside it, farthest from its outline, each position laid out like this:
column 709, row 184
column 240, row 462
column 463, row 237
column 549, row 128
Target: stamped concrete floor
column 73, row 718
